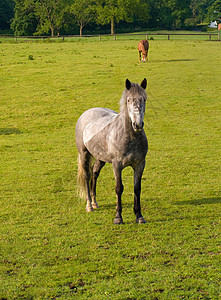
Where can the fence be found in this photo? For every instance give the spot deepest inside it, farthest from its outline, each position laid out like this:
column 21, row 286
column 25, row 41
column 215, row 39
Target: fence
column 216, row 36
column 148, row 36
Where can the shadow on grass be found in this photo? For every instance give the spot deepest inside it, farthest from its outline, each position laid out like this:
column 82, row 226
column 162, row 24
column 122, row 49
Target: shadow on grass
column 173, row 60
column 200, row 201
column 129, row 204
column 178, row 60
column 108, row 206
column 7, row 131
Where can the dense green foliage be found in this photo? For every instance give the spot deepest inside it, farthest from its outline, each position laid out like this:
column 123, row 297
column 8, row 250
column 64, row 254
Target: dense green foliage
column 6, row 13
column 71, row 16
column 50, row 248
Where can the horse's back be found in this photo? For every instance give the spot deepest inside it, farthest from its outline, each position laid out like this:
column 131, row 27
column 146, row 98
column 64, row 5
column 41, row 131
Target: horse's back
column 146, row 44
column 91, row 122
column 143, row 45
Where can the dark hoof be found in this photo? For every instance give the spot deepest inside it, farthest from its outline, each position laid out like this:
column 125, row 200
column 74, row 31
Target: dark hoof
column 141, row 220
column 118, row 221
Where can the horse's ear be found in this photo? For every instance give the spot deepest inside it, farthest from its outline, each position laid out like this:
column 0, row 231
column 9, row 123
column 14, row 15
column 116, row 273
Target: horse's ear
column 128, row 84
column 144, row 84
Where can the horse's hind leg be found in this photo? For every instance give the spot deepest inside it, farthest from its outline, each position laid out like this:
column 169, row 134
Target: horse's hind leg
column 98, row 165
column 85, row 161
column 119, row 190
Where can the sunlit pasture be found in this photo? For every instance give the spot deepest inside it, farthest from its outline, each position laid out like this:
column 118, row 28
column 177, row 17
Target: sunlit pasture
column 50, row 248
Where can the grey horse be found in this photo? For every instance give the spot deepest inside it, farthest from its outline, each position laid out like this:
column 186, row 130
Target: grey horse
column 104, row 136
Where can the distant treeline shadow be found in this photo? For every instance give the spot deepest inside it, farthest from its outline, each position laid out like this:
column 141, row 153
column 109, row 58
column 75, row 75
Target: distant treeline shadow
column 200, row 201
column 7, row 131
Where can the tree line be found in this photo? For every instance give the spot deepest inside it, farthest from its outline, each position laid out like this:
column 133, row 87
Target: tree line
column 54, row 17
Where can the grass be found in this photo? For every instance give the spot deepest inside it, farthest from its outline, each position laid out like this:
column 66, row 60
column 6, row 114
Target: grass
column 50, row 248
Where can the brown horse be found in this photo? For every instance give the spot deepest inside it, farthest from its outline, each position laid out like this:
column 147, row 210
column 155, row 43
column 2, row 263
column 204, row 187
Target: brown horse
column 143, row 47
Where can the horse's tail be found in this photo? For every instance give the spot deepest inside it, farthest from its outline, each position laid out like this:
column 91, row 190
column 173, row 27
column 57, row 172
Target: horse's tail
column 81, row 182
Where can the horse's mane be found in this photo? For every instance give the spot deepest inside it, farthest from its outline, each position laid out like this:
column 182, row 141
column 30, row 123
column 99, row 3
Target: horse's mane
column 135, row 89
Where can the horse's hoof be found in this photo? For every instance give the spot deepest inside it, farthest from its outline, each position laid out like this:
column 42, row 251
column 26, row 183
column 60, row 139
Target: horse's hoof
column 95, row 205
column 118, row 221
column 141, row 220
column 89, row 208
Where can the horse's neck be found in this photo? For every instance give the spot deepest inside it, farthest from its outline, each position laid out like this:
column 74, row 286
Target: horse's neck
column 128, row 129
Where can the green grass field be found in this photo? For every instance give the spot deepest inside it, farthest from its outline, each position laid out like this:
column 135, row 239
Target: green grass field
column 50, row 248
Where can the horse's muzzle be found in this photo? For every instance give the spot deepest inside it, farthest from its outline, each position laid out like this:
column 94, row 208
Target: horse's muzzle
column 138, row 127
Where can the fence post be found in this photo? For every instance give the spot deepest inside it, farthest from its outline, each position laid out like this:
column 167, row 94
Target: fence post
column 168, row 37
column 209, row 37
column 146, row 37
column 99, row 38
column 115, row 37
column 218, row 36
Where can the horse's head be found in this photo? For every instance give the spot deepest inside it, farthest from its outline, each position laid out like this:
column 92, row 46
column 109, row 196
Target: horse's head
column 136, row 102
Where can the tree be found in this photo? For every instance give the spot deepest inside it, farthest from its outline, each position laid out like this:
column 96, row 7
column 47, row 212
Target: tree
column 167, row 13
column 154, row 13
column 179, row 10
column 83, row 12
column 6, row 13
column 24, row 21
column 112, row 11
column 50, row 15
column 141, row 11
column 214, row 11
column 199, row 9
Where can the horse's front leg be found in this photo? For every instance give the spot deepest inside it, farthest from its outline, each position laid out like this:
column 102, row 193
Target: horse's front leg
column 98, row 165
column 139, row 56
column 119, row 190
column 143, row 57
column 147, row 55
column 138, row 172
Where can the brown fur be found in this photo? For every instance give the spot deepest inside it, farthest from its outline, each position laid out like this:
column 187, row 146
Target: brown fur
column 143, row 47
